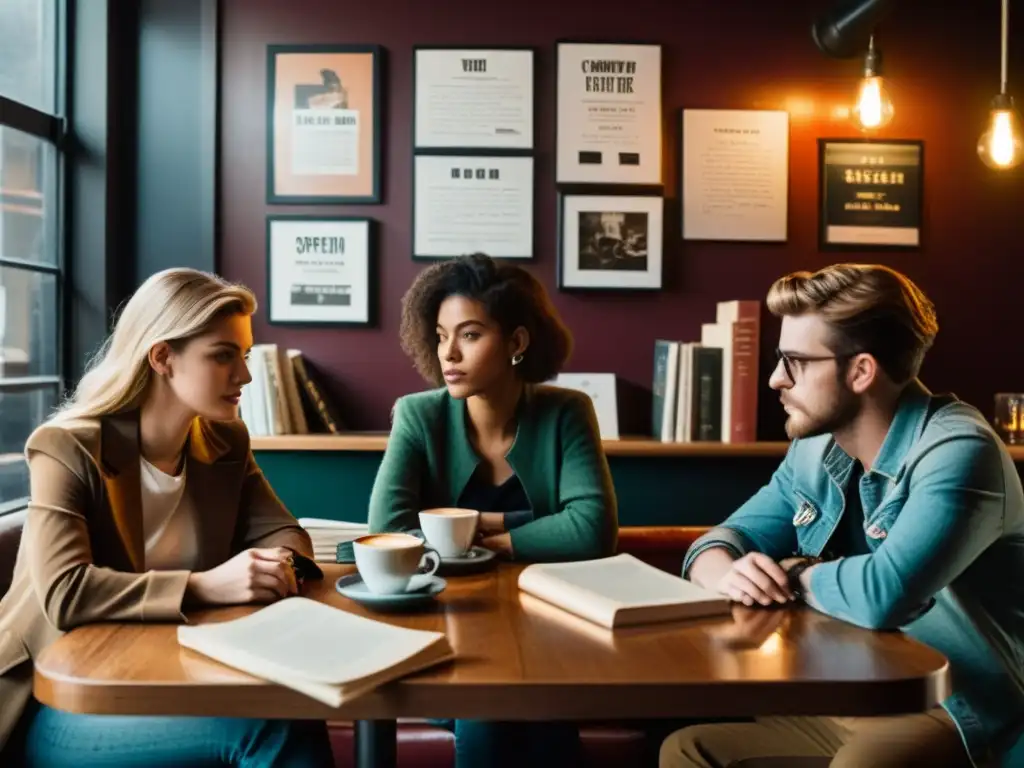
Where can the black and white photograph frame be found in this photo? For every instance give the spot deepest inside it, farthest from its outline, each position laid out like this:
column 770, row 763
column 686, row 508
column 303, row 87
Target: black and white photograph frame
column 608, row 116
column 474, row 98
column 610, row 242
column 473, row 203
column 321, row 270
column 870, row 194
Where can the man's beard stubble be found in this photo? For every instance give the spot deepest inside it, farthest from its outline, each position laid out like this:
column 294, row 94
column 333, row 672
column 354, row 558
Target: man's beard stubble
column 840, row 414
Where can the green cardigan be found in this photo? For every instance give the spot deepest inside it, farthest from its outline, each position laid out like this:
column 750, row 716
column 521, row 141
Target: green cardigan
column 557, row 455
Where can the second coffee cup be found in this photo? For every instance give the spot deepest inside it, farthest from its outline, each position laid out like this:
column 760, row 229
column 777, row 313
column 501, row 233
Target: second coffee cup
column 450, row 530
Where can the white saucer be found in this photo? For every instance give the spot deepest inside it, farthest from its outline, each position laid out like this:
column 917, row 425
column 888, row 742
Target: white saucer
column 473, row 555
column 474, row 560
column 423, row 590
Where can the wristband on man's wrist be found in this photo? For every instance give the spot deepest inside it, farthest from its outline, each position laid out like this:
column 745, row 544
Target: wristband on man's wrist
column 794, row 572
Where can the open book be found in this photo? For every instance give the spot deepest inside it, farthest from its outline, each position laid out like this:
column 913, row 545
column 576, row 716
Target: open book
column 324, row 652
column 620, row 591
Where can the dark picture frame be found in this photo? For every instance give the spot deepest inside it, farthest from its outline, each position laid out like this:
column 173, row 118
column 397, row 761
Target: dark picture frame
column 870, row 194
column 292, row 301
column 344, row 97
column 610, row 242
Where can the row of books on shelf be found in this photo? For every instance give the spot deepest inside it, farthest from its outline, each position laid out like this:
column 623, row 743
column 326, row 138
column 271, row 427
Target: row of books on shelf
column 285, row 396
column 707, row 390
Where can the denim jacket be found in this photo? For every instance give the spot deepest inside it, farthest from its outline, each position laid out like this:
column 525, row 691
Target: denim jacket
column 944, row 523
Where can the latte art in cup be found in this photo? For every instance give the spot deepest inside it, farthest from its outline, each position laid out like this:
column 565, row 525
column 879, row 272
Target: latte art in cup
column 390, row 540
column 392, row 563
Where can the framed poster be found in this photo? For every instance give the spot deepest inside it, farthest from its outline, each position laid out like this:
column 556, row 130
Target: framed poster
column 323, row 124
column 473, row 98
column 321, row 270
column 608, row 120
column 468, row 203
column 610, row 242
column 870, row 194
column 735, row 174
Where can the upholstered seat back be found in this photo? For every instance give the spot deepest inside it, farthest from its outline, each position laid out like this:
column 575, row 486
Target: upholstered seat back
column 10, row 537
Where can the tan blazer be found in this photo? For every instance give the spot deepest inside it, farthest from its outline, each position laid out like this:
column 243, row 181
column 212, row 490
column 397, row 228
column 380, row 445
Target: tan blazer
column 82, row 557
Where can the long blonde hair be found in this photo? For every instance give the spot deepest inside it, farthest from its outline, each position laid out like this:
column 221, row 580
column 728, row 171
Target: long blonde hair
column 869, row 308
column 174, row 305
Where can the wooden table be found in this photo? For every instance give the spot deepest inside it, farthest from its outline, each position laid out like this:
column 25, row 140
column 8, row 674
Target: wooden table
column 518, row 658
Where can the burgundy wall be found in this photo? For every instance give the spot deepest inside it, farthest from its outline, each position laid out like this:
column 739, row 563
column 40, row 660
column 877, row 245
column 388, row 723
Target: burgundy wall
column 943, row 69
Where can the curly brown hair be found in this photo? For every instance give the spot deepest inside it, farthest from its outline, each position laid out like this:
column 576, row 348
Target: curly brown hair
column 512, row 297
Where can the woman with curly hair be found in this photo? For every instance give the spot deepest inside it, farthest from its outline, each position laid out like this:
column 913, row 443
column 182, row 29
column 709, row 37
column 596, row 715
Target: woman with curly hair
column 491, row 437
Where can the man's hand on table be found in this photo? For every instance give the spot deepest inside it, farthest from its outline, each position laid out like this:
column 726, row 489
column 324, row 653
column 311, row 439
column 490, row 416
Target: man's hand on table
column 754, row 579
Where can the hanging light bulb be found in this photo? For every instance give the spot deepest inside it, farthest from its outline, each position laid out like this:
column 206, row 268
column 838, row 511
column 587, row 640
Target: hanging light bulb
column 873, row 108
column 1002, row 145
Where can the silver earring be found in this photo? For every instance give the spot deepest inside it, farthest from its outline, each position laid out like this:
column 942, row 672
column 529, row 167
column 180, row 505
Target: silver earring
column 517, row 359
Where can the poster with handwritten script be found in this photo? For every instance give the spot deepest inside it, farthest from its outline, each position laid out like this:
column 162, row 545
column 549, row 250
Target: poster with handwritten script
column 870, row 193
column 735, row 172
column 609, row 114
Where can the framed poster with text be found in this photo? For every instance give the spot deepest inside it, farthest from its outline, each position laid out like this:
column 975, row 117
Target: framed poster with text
column 468, row 203
column 323, row 124
column 735, row 174
column 473, row 98
column 608, row 128
column 321, row 270
column 871, row 193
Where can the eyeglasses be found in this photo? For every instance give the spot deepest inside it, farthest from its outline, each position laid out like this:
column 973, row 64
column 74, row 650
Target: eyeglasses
column 791, row 362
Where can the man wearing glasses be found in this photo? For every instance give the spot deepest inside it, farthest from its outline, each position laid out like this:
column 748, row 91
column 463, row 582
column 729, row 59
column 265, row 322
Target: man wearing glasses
column 893, row 509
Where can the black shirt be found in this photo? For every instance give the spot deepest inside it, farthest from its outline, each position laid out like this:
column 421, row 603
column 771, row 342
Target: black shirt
column 509, row 497
column 849, row 539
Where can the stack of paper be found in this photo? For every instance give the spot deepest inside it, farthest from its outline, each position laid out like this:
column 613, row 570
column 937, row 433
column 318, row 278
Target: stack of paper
column 328, row 654
column 327, row 534
column 620, row 591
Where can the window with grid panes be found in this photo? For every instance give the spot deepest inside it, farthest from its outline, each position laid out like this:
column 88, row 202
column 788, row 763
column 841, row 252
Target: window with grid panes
column 32, row 56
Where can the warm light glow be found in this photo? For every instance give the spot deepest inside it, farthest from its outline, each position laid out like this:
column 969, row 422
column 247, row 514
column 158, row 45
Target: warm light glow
column 772, row 644
column 873, row 108
column 1001, row 146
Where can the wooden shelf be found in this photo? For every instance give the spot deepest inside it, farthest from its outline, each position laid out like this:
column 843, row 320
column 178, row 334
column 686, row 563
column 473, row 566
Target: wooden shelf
column 627, row 446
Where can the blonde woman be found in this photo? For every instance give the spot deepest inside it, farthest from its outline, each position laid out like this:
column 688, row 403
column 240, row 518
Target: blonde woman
column 146, row 500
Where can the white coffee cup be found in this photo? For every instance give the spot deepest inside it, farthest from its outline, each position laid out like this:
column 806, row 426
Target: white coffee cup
column 450, row 530
column 393, row 563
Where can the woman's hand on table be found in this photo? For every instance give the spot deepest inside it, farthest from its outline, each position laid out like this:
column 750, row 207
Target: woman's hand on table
column 260, row 575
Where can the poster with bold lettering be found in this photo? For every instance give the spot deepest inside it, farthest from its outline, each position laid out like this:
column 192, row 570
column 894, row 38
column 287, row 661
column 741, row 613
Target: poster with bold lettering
column 870, row 194
column 321, row 270
column 323, row 132
column 609, row 114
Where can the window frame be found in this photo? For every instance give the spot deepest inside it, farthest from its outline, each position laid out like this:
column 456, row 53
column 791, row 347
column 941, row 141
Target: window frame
column 53, row 129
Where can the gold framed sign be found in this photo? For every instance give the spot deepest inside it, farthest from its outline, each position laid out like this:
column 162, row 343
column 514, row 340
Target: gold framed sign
column 871, row 194
column 323, row 124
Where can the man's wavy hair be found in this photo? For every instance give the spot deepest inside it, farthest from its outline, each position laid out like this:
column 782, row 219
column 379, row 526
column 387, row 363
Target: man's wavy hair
column 512, row 297
column 869, row 308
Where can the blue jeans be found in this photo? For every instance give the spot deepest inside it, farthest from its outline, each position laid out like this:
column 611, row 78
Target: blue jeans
column 55, row 739
column 488, row 744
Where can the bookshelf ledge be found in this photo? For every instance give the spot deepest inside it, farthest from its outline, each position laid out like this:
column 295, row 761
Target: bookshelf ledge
column 627, row 446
